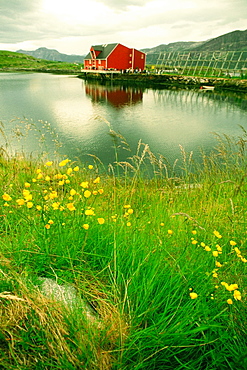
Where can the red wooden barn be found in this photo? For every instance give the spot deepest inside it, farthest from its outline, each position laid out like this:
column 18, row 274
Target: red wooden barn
column 114, row 56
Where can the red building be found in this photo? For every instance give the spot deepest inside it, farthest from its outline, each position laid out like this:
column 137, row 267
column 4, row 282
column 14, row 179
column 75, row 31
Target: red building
column 114, row 56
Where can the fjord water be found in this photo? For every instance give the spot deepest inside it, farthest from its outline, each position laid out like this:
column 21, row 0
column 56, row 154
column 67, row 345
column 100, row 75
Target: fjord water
column 37, row 109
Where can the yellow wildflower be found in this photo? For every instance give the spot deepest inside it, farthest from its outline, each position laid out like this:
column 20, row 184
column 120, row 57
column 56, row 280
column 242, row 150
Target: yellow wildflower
column 193, row 295
column 55, row 205
column 20, row 202
column 47, row 178
column 237, row 250
column 193, row 232
column 38, row 208
column 162, row 224
column 130, row 211
column 53, row 194
column 69, row 171
column 97, row 180
column 27, row 185
column 243, row 259
column 38, row 170
column 40, row 176
column 29, row 204
column 61, row 182
column 217, row 234
column 128, row 224
column 232, row 243
column 232, row 287
column 71, row 206
column 100, row 191
column 84, row 184
column 101, row 221
column 72, row 192
column 194, row 242
column 76, row 168
column 49, row 163
column 207, row 249
column 47, row 226
column 170, row 232
column 90, row 167
column 237, row 295
column 95, row 192
column 51, row 222
column 6, row 197
column 87, row 193
column 218, row 264
column 127, row 206
column 215, row 253
column 85, row 226
column 219, row 249
column 203, row 244
column 89, row 212
column 34, row 180
column 229, row 301
column 64, row 162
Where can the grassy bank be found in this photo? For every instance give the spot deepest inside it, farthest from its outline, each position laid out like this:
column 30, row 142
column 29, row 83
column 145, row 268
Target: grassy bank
column 10, row 61
column 159, row 263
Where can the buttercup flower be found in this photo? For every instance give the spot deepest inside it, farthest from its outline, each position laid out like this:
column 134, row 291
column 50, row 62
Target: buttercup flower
column 49, row 163
column 89, row 212
column 229, row 301
column 217, row 234
column 237, row 295
column 27, row 185
column 76, row 168
column 64, row 162
column 97, row 180
column 232, row 243
column 170, row 232
column 85, row 226
column 71, row 206
column 193, row 295
column 20, row 202
column 6, row 197
column 29, row 204
column 84, row 184
column 101, row 221
column 87, row 193
column 90, row 167
column 215, row 253
column 72, row 192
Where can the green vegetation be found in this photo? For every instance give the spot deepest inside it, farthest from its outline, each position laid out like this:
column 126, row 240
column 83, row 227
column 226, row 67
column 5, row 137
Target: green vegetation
column 10, row 61
column 161, row 261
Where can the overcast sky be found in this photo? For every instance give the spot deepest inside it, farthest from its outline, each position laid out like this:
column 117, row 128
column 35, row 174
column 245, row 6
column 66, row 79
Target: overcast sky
column 72, row 26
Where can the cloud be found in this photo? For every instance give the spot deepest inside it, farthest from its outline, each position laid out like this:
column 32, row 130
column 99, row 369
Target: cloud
column 138, row 23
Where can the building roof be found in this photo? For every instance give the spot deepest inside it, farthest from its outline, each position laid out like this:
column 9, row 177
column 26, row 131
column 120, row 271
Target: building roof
column 105, row 49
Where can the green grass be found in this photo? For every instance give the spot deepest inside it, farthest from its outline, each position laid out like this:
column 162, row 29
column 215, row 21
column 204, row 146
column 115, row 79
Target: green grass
column 136, row 250
column 11, row 61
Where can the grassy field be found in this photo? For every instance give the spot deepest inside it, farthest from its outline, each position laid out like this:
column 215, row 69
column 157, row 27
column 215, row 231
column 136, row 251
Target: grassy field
column 159, row 263
column 10, row 61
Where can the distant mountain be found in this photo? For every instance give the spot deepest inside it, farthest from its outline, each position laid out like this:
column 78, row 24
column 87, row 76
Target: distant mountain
column 232, row 41
column 54, row 55
column 236, row 40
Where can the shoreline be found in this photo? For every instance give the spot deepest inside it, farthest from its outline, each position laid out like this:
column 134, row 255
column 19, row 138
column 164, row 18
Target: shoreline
column 171, row 81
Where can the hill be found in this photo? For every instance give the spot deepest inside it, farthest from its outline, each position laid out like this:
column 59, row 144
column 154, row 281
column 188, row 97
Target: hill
column 53, row 55
column 12, row 61
column 232, row 41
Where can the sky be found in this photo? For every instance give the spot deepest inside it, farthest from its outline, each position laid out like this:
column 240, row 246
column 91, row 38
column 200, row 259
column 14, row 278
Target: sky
column 72, row 26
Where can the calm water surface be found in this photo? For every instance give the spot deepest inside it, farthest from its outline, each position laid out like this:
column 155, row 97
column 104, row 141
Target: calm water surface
column 39, row 106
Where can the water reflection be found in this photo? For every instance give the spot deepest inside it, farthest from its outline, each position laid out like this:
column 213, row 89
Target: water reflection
column 117, row 96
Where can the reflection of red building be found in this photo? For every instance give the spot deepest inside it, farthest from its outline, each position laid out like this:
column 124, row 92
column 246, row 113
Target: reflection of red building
column 114, row 56
column 116, row 96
